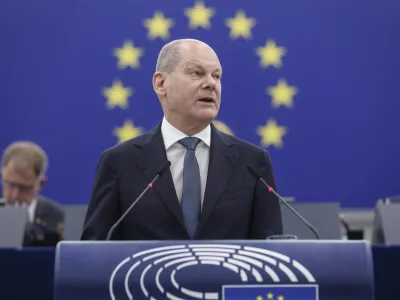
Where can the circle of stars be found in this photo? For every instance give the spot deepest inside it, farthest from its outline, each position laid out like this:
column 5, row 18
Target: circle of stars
column 128, row 55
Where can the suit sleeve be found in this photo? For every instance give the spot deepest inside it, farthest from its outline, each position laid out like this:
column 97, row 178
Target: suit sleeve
column 103, row 210
column 266, row 213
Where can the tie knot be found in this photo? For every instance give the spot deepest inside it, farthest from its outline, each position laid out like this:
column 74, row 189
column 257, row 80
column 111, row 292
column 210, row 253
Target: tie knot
column 190, row 143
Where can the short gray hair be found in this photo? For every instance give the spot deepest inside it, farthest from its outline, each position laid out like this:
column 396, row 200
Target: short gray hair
column 26, row 154
column 169, row 56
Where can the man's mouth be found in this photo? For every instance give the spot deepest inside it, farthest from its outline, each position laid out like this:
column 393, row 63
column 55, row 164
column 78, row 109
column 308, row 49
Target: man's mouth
column 207, row 100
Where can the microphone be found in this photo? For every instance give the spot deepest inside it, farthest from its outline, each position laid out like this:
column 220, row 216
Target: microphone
column 161, row 171
column 345, row 224
column 256, row 174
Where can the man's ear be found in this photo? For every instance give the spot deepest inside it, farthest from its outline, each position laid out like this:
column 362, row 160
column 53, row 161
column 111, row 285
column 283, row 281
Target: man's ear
column 43, row 181
column 159, row 83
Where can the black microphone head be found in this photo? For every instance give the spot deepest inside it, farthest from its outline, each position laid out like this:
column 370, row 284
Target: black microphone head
column 163, row 168
column 253, row 171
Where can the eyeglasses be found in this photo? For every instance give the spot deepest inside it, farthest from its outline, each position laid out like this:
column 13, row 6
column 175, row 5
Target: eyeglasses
column 19, row 186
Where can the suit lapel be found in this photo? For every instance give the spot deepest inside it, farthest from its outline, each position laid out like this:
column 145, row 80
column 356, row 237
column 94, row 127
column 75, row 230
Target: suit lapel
column 38, row 210
column 221, row 163
column 150, row 160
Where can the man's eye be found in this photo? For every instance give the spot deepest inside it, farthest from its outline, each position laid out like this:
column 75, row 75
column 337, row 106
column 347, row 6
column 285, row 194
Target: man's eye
column 195, row 73
column 217, row 76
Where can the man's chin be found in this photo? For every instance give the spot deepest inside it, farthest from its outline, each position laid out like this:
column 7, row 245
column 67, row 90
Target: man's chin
column 207, row 116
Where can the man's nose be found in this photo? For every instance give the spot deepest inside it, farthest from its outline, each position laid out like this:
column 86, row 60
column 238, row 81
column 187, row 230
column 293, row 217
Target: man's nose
column 14, row 193
column 209, row 82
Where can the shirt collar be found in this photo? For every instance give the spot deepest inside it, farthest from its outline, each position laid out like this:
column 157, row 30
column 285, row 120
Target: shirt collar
column 171, row 135
column 34, row 202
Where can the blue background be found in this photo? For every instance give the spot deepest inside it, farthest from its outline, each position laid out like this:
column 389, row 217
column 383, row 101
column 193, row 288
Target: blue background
column 343, row 57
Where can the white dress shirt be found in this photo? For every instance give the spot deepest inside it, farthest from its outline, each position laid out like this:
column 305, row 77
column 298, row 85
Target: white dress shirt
column 32, row 210
column 176, row 155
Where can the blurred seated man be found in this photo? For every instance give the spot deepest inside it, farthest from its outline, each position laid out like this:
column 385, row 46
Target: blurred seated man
column 23, row 175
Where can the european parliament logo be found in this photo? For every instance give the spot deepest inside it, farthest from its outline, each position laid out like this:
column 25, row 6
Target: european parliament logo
column 212, row 271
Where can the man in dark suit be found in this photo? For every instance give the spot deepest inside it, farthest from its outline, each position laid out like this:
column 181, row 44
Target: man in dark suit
column 47, row 226
column 23, row 175
column 207, row 193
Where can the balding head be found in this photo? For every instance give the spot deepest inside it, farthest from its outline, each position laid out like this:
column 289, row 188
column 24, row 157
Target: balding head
column 188, row 84
column 171, row 54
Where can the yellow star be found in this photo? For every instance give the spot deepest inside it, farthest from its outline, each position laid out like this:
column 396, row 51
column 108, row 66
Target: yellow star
column 281, row 298
column 271, row 134
column 127, row 131
column 158, row 26
column 222, row 127
column 117, row 95
column 282, row 94
column 128, row 55
column 260, row 298
column 199, row 15
column 240, row 25
column 270, row 54
column 270, row 296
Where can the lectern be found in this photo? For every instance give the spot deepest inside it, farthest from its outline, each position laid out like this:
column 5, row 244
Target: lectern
column 258, row 270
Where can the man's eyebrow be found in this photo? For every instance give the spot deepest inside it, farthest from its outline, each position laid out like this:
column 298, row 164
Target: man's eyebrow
column 193, row 64
column 196, row 65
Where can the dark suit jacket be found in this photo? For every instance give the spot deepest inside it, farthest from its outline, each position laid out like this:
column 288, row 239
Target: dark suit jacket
column 48, row 224
column 236, row 205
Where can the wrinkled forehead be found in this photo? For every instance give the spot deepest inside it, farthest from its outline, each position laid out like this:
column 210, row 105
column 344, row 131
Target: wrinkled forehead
column 199, row 56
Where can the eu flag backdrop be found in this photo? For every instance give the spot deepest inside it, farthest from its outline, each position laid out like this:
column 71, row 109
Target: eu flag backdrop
column 313, row 82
